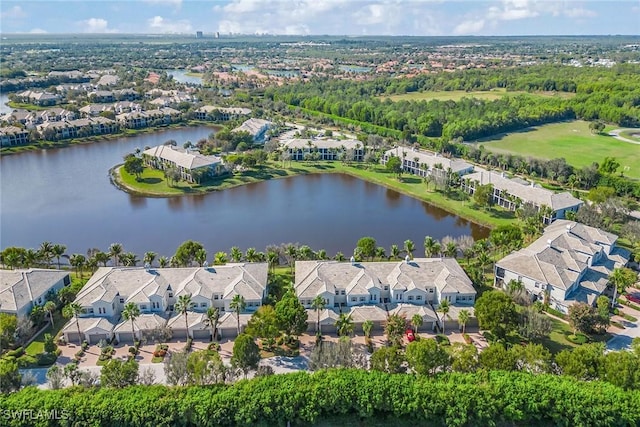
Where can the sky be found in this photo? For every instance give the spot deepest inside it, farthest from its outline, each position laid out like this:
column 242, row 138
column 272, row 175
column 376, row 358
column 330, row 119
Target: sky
column 320, row 17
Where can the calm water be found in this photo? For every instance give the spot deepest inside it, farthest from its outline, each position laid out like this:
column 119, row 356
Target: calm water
column 355, row 68
column 4, row 108
column 181, row 77
column 65, row 196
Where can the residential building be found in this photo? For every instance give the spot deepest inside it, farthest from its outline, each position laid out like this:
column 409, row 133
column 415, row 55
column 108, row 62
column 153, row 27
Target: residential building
column 144, row 324
column 77, row 128
column 13, row 135
column 328, row 149
column 426, row 163
column 20, row 290
column 38, row 97
column 156, row 291
column 211, row 112
column 108, row 80
column 256, row 127
column 92, row 330
column 513, row 193
column 570, row 263
column 101, row 96
column 192, row 165
column 139, row 119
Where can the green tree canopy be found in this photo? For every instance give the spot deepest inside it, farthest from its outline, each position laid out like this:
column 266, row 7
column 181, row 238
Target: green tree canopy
column 497, row 313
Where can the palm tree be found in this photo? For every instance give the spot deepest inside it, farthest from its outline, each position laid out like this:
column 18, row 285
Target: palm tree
column 451, row 250
column 621, row 279
column 220, row 258
column 431, row 247
column 339, row 256
column 444, row 309
column 115, row 250
column 322, row 254
column 273, row 258
column 344, row 325
column 367, row 327
column 381, row 253
column 463, row 318
column 213, row 315
column 102, row 257
column 129, row 259
column 46, row 252
column 394, row 252
column 31, row 257
column 131, row 311
column 78, row 261
column 57, row 251
column 238, row 304
column 416, row 322
column 318, row 304
column 201, row 257
column 163, row 261
column 182, row 306
column 149, row 257
column 74, row 310
column 305, row 253
column 251, row 255
column 236, row 254
column 50, row 307
column 292, row 254
column 409, row 248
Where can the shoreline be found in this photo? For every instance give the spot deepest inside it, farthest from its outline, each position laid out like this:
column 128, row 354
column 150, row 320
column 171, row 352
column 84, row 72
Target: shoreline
column 478, row 217
column 127, row 133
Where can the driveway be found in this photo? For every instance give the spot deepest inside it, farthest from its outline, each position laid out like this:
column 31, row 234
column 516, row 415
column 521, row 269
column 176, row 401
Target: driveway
column 616, row 134
column 623, row 337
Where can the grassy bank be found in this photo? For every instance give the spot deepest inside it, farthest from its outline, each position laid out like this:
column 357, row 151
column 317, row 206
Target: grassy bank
column 153, row 184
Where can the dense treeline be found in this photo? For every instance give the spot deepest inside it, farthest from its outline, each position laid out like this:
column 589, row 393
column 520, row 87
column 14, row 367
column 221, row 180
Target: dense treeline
column 612, row 95
column 494, row 398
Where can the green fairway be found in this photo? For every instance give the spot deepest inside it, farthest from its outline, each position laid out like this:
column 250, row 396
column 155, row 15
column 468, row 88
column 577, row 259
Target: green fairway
column 571, row 140
column 456, row 95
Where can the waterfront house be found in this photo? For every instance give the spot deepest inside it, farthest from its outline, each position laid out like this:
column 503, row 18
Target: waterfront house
column 425, row 163
column 513, row 193
column 13, row 135
column 570, row 263
column 192, row 165
column 38, row 97
column 327, row 149
column 211, row 112
column 20, row 290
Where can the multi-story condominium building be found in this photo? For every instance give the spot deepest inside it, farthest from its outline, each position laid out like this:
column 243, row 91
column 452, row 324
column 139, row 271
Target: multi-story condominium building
column 327, row 149
column 156, row 291
column 211, row 112
column 570, row 263
column 140, row 119
column 20, row 290
column 39, row 97
column 77, row 128
column 425, row 163
column 192, row 165
column 13, row 135
column 256, row 127
column 513, row 193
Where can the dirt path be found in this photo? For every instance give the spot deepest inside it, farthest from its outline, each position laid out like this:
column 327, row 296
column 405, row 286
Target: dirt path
column 616, row 134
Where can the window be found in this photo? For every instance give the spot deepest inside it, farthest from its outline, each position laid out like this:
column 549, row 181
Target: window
column 204, row 304
column 410, row 298
column 337, row 292
column 143, row 306
column 430, row 290
column 90, row 311
column 170, row 294
column 354, row 299
column 386, row 288
column 341, row 292
column 121, row 300
column 418, row 297
column 215, row 297
column 361, row 299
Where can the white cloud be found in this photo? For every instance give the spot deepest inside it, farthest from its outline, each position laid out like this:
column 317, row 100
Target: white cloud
column 177, row 4
column 511, row 10
column 95, row 25
column 15, row 12
column 158, row 24
column 579, row 12
column 469, row 27
column 37, row 31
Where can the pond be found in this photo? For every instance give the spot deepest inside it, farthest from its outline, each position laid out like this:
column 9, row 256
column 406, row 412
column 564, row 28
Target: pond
column 181, row 77
column 65, row 196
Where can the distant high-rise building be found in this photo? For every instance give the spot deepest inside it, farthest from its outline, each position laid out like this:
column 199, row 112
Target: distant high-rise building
column 198, row 34
column 217, row 35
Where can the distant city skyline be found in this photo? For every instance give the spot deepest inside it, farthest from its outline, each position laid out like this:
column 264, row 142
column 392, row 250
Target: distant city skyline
column 324, row 17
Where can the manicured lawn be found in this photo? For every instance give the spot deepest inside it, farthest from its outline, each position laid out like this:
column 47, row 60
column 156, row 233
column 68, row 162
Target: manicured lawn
column 152, row 183
column 456, row 95
column 571, row 140
column 37, row 345
column 557, row 340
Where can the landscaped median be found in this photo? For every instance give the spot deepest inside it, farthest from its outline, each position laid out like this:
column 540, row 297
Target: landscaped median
column 152, row 183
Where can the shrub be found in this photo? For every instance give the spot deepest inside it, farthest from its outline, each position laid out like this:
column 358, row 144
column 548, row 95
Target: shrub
column 629, row 317
column 617, row 324
column 46, row 359
column 443, row 339
column 85, row 345
column 578, row 338
column 467, row 338
column 79, row 353
column 133, row 350
column 616, row 311
column 214, row 346
column 16, row 353
column 26, row 360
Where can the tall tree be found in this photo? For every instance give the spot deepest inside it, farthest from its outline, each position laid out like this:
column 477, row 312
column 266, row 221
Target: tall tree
column 201, row 256
column 115, row 250
column 46, row 252
column 463, row 318
column 395, row 328
column 497, row 313
column 431, row 247
column 426, row 357
column 131, row 311
column 409, row 248
column 236, row 254
column 621, row 278
column 58, row 251
column 394, row 252
column 213, row 316
column 49, row 308
column 416, row 322
column 149, row 257
column 78, row 261
column 238, row 305
column 344, row 325
column 182, row 307
column 292, row 317
column 318, row 304
column 186, row 253
column 74, row 310
column 246, row 354
column 444, row 309
column 367, row 246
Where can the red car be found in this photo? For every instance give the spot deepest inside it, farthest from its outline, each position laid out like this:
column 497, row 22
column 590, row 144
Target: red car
column 634, row 298
column 410, row 336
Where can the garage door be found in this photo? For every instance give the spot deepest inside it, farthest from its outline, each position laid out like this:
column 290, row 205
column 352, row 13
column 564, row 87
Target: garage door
column 73, row 337
column 125, row 337
column 94, row 339
column 228, row 332
column 179, row 333
column 201, row 334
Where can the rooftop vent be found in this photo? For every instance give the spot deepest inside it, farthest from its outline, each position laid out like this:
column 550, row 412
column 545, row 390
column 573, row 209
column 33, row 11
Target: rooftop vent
column 353, row 260
column 406, row 259
column 549, row 243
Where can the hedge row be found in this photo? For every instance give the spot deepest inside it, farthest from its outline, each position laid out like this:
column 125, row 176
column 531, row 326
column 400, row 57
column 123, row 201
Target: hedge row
column 486, row 398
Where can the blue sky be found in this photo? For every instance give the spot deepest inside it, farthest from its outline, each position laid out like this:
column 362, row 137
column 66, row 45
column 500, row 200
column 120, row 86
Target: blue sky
column 336, row 17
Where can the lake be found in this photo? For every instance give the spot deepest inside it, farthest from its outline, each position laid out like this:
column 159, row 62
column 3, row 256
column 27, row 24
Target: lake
column 65, row 196
column 181, row 77
column 4, row 108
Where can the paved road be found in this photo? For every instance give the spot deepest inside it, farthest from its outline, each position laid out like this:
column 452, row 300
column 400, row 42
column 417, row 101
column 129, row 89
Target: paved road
column 623, row 337
column 616, row 134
